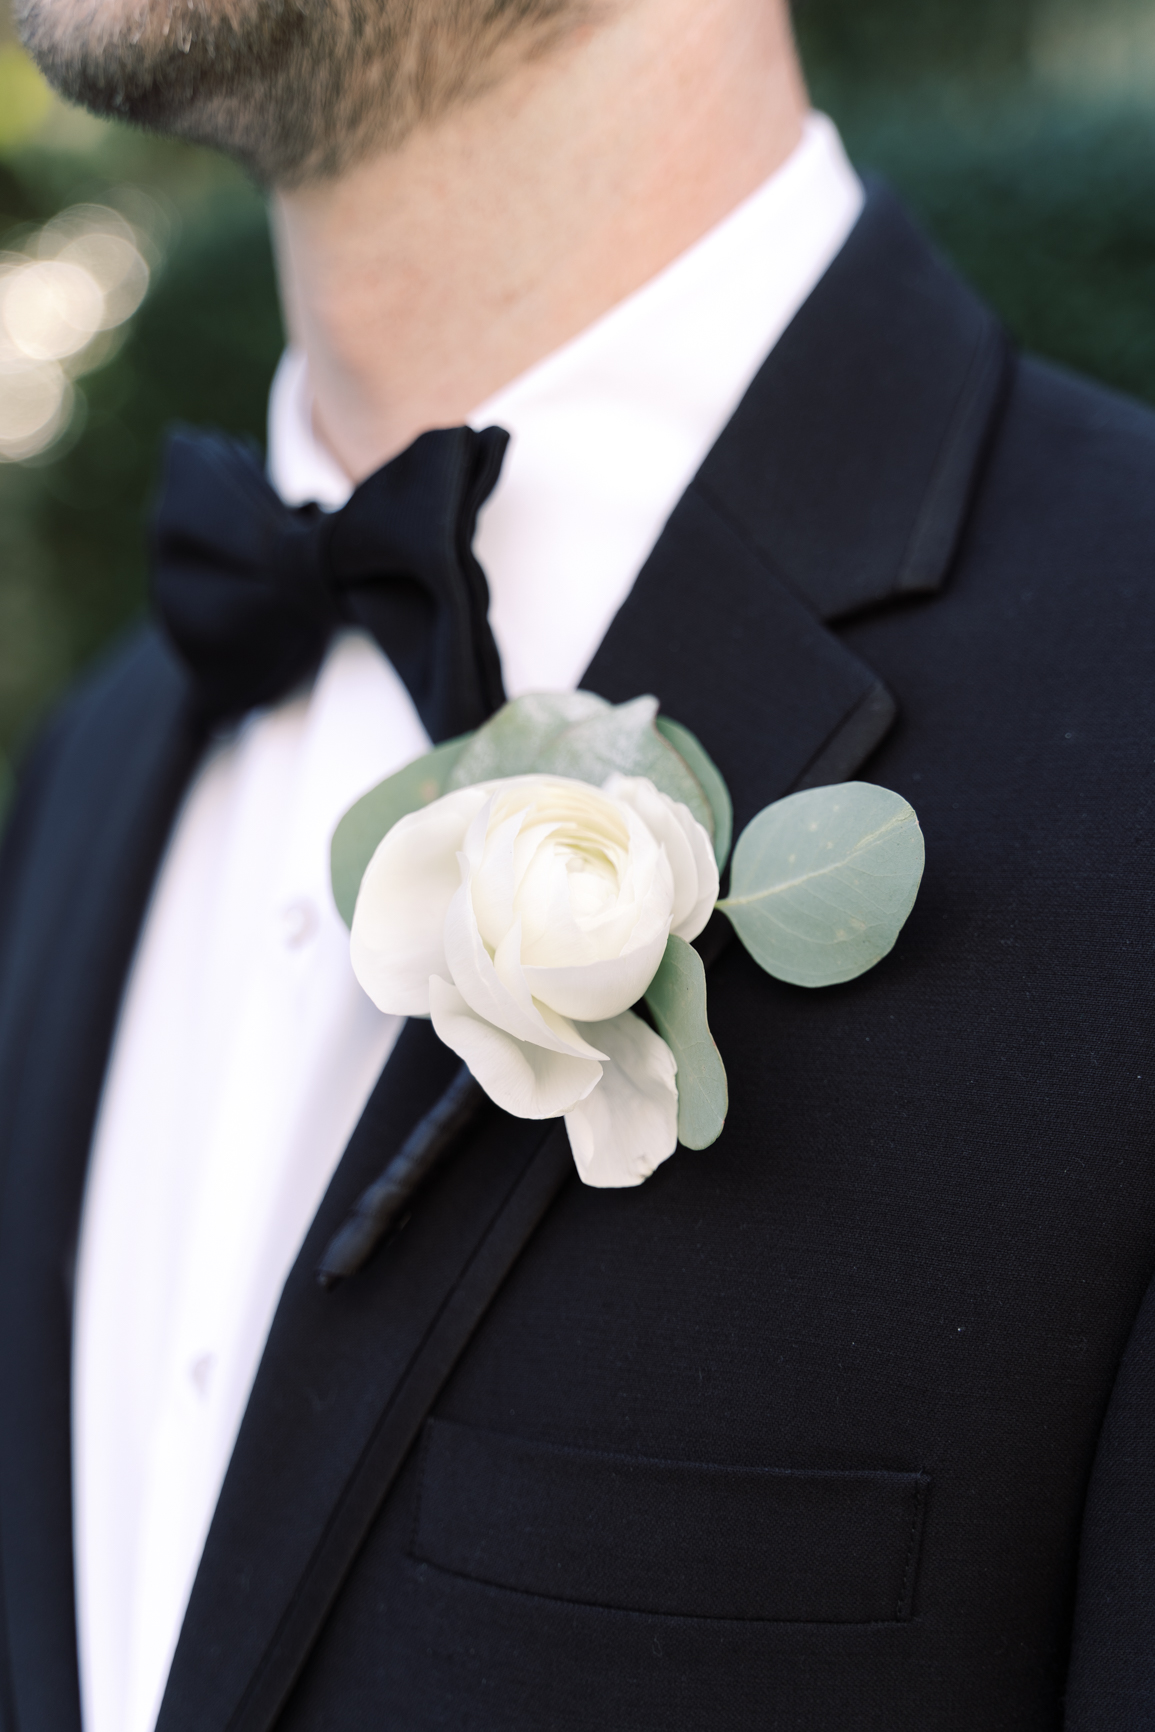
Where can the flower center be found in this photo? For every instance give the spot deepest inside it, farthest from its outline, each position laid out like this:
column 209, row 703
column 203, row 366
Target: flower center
column 570, row 873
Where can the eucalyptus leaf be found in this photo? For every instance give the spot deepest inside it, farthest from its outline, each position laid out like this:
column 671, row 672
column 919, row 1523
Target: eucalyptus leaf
column 577, row 734
column 365, row 824
column 518, row 739
column 677, row 1001
column 691, row 750
column 822, row 882
column 625, row 739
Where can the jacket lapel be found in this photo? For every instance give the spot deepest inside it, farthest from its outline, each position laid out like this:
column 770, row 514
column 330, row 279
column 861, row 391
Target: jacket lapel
column 733, row 654
column 116, row 789
column 842, row 481
column 852, row 461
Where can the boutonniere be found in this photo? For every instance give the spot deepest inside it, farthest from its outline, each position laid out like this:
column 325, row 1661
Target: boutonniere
column 535, row 888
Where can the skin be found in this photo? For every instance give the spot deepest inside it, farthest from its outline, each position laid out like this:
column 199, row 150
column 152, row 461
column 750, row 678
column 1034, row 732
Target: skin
column 442, row 230
column 506, row 229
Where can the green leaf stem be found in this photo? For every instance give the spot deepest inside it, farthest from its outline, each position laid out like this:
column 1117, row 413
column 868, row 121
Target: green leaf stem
column 677, row 1001
column 822, row 882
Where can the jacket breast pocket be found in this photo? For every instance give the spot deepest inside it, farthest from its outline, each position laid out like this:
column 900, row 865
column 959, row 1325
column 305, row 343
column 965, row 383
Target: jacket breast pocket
column 674, row 1538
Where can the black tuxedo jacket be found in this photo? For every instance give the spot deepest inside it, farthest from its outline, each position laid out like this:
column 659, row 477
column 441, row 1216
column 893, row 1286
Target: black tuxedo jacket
column 847, row 1422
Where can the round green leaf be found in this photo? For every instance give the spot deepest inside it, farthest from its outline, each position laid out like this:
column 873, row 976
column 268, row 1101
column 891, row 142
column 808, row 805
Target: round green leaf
column 677, row 1001
column 822, row 882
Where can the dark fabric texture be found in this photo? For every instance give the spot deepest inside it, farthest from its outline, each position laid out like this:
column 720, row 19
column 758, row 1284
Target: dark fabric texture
column 250, row 591
column 910, row 1275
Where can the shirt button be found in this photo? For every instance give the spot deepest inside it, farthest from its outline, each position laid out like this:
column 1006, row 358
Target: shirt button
column 201, row 1373
column 299, row 923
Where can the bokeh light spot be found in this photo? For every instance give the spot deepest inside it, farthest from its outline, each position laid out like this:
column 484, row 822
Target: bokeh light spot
column 35, row 406
column 78, row 279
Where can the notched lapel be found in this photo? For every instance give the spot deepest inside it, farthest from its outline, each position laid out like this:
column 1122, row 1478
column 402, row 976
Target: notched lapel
column 852, row 460
column 843, row 481
column 109, row 780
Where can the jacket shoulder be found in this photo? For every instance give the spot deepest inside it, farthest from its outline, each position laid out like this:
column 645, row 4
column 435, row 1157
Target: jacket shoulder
column 78, row 758
column 1073, row 458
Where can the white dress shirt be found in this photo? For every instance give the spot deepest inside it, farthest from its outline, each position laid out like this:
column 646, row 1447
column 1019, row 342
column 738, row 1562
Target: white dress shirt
column 245, row 1050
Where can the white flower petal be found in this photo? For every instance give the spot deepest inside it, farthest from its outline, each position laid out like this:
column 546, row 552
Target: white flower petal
column 502, row 998
column 396, row 941
column 527, row 1080
column 599, row 989
column 584, row 865
column 628, row 1125
column 687, row 845
column 690, row 924
column 492, row 885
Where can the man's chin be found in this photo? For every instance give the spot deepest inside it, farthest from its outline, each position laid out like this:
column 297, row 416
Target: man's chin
column 295, row 90
column 251, row 82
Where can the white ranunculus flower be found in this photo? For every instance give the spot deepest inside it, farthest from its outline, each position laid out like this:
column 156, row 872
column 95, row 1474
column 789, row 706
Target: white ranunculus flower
column 526, row 916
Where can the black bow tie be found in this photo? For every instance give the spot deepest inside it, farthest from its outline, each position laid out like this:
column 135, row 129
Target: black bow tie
column 250, row 590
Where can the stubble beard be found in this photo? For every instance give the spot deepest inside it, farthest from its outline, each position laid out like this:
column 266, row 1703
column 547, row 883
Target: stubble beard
column 296, row 90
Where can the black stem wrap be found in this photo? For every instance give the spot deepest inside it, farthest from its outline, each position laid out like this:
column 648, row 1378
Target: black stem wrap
column 379, row 1209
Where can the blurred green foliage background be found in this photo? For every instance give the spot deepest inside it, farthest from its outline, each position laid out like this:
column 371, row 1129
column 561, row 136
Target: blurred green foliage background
column 1022, row 132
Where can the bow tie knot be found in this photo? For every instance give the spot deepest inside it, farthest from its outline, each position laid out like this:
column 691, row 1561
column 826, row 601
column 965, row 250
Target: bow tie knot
column 250, row 590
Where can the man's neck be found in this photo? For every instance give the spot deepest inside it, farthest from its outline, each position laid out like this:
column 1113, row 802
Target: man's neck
column 425, row 279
